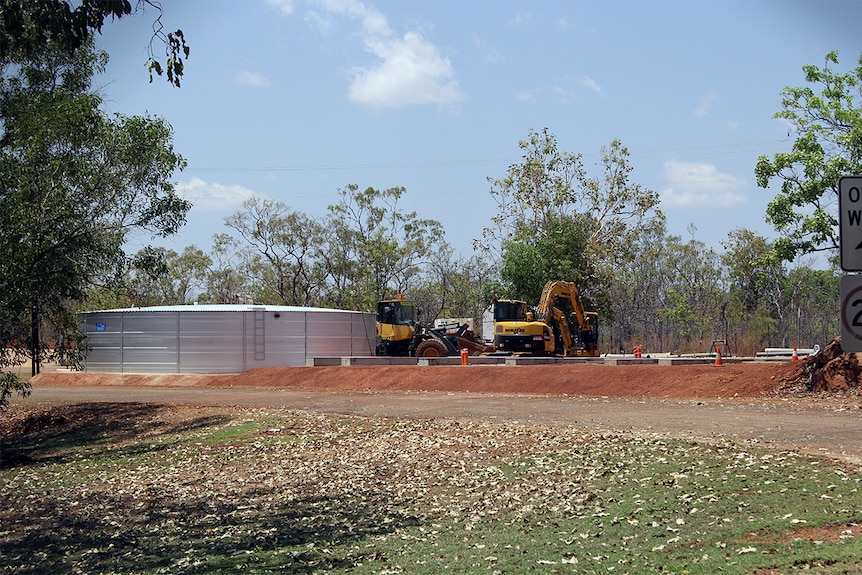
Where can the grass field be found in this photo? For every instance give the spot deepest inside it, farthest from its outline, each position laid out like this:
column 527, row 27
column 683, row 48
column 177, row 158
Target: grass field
column 132, row 488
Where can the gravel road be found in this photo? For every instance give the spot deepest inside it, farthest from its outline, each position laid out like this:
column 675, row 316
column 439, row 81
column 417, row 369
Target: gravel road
column 827, row 427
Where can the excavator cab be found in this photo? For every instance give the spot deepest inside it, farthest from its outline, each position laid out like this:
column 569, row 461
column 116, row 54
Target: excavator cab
column 559, row 325
column 510, row 310
column 516, row 331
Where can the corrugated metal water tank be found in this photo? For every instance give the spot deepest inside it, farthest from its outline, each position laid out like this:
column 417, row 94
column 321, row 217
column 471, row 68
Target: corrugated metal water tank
column 221, row 338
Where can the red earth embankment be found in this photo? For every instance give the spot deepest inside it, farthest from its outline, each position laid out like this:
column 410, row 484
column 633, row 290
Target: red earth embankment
column 679, row 382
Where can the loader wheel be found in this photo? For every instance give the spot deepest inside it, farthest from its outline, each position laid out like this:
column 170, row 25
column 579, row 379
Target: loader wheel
column 431, row 348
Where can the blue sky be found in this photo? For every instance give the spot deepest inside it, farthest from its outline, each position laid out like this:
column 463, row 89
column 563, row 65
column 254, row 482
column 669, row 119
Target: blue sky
column 294, row 99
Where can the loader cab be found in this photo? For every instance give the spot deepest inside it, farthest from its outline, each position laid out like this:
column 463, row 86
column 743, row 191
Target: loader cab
column 396, row 326
column 396, row 312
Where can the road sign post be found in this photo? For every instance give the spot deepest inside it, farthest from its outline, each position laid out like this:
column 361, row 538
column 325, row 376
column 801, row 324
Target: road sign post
column 850, row 222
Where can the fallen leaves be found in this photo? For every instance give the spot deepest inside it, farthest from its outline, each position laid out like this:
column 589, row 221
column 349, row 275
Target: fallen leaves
column 179, row 489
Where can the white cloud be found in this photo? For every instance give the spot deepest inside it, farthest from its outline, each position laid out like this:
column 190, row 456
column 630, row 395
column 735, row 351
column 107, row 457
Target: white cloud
column 409, row 69
column 528, row 95
column 562, row 94
column 488, row 53
column 283, row 7
column 249, row 78
column 695, row 185
column 706, row 103
column 213, row 196
column 592, row 85
column 520, row 19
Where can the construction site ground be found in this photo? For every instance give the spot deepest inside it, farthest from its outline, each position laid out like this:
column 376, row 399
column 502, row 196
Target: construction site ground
column 763, row 403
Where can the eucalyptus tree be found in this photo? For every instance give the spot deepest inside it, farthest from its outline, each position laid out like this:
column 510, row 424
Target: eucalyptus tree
column 225, row 281
column 638, row 292
column 173, row 279
column 74, row 182
column 826, row 118
column 376, row 249
column 453, row 287
column 805, row 307
column 811, row 317
column 280, row 247
column 35, row 26
column 552, row 210
column 754, row 275
column 693, row 295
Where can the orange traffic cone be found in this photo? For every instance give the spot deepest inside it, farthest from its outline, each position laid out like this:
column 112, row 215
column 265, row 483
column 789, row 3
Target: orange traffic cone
column 718, row 356
column 795, row 355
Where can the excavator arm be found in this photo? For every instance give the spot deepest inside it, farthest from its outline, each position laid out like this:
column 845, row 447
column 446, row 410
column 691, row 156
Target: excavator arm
column 548, row 312
column 563, row 325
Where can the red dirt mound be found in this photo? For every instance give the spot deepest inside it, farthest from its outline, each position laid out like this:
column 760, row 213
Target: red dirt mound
column 682, row 382
column 832, row 371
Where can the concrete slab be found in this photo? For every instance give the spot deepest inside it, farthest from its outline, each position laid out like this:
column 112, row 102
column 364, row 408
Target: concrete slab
column 451, row 360
column 373, row 360
column 487, row 360
column 528, row 360
column 322, row 361
column 630, row 361
column 685, row 361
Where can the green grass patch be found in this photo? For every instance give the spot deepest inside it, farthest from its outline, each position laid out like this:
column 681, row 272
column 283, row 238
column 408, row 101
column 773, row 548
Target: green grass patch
column 180, row 490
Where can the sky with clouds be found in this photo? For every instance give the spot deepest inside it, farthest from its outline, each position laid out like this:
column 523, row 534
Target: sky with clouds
column 293, row 100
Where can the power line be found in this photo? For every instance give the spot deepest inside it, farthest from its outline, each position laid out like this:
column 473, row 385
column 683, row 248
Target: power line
column 711, row 149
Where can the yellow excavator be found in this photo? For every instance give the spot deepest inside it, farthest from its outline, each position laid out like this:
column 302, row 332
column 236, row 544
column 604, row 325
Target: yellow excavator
column 548, row 331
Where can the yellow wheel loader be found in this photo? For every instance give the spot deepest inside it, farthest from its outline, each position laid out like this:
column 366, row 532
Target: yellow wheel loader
column 400, row 333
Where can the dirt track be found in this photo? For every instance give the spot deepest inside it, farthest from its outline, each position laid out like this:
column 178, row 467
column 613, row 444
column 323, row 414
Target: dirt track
column 738, row 402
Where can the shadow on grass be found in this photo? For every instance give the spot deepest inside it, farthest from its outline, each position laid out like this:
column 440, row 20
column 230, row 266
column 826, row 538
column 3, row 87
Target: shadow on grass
column 51, row 435
column 203, row 530
column 201, row 535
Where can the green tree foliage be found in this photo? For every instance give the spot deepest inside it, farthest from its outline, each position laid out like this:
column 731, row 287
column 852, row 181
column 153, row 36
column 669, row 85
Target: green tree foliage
column 155, row 276
column 751, row 266
column 366, row 249
column 563, row 252
column 826, row 117
column 542, row 186
column 376, row 249
column 32, row 27
column 694, row 294
column 638, row 292
column 280, row 247
column 74, row 183
column 680, row 295
column 753, row 275
column 161, row 276
column 452, row 287
column 805, row 307
column 225, row 282
column 555, row 221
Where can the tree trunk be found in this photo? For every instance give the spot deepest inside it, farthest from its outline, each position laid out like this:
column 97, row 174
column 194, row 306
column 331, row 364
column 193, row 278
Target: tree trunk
column 35, row 348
